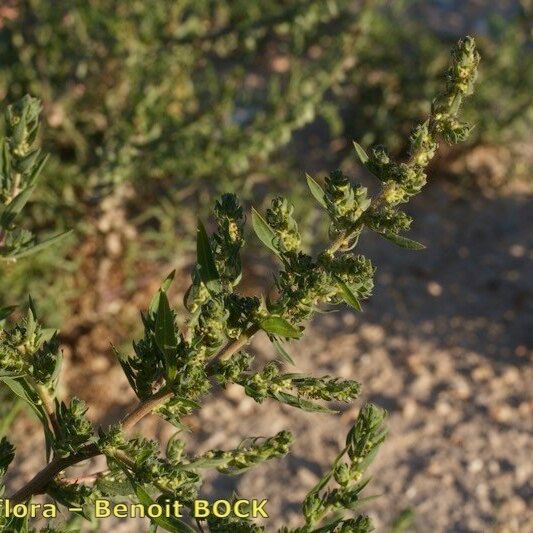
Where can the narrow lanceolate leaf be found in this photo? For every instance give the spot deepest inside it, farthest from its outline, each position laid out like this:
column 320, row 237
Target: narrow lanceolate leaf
column 21, row 525
column 361, row 154
column 279, row 326
column 281, row 351
column 47, row 334
column 168, row 523
column 301, row 403
column 167, row 282
column 263, row 231
column 348, row 296
column 5, row 158
column 404, row 242
column 206, row 261
column 15, row 206
column 6, row 311
column 38, row 169
column 316, row 190
column 154, row 303
column 165, row 334
column 40, row 245
column 21, row 388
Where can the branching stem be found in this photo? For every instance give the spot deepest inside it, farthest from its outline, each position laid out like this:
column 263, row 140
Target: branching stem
column 38, row 484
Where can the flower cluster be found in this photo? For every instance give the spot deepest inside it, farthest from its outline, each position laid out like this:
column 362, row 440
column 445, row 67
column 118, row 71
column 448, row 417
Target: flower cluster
column 344, row 202
column 12, row 344
column 231, row 369
column 388, row 220
column 362, row 444
column 295, row 389
column 75, row 429
column 229, row 238
column 244, row 311
column 245, row 457
column 20, row 165
column 460, row 80
column 280, row 219
column 20, row 160
column 211, row 326
column 142, row 457
column 356, row 271
column 303, row 285
column 28, row 349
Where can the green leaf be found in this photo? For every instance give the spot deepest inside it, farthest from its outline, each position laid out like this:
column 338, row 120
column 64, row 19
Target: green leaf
column 154, row 303
column 38, row 169
column 316, row 190
column 403, row 521
column 21, row 389
column 10, row 374
column 167, row 282
column 281, row 351
column 31, row 318
column 263, row 231
column 165, row 334
column 40, row 245
column 347, row 295
column 15, row 206
column 206, row 261
column 69, row 500
column 404, row 242
column 32, row 307
column 5, row 158
column 46, row 334
column 301, row 403
column 361, row 154
column 205, row 462
column 20, row 525
column 279, row 326
column 6, row 311
column 166, row 522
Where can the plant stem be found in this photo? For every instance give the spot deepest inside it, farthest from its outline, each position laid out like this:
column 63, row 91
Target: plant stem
column 48, row 405
column 146, row 407
column 38, row 484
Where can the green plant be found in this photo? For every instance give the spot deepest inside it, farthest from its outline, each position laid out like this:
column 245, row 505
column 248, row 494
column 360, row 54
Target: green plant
column 396, row 77
column 231, row 84
column 20, row 166
column 171, row 368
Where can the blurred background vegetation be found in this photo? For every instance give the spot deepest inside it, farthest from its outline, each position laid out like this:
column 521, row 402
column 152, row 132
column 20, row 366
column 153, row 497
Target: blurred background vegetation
column 152, row 108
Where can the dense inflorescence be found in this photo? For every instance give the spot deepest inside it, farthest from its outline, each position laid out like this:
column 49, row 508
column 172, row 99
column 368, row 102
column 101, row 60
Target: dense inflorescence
column 174, row 366
column 21, row 163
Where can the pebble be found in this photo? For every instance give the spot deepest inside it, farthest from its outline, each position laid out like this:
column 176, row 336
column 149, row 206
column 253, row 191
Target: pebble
column 475, row 466
column 434, row 288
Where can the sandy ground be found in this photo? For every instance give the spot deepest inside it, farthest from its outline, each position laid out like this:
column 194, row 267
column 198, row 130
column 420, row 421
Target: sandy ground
column 444, row 345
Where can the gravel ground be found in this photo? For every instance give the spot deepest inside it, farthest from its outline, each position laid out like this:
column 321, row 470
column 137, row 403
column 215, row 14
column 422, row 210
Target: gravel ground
column 444, row 345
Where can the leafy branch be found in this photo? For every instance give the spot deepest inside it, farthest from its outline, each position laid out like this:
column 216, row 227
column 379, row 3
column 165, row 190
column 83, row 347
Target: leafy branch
column 21, row 164
column 171, row 369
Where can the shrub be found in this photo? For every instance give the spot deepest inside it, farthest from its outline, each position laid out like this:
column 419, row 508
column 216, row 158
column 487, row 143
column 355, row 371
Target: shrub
column 171, row 369
column 217, row 102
